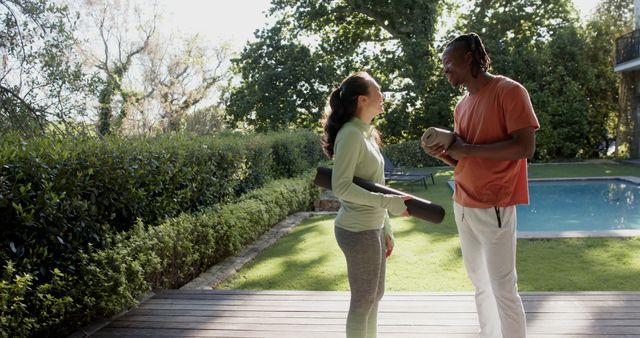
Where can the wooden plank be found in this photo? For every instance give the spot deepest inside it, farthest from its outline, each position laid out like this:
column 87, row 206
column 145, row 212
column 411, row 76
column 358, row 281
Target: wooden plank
column 311, row 320
column 235, row 294
column 413, row 303
column 251, row 334
column 382, row 320
column 391, row 298
column 552, row 335
column 568, row 328
column 120, row 333
column 129, row 333
column 426, row 308
column 341, row 314
column 396, row 293
column 384, row 307
column 302, row 329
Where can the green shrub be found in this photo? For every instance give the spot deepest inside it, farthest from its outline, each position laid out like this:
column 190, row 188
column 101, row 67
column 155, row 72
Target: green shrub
column 58, row 196
column 295, row 153
column 179, row 249
column 409, row 154
column 61, row 199
column 30, row 310
column 150, row 257
column 260, row 159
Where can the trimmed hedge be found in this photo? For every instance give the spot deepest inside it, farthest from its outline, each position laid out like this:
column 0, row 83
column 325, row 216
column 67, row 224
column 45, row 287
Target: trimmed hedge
column 145, row 258
column 58, row 197
column 410, row 154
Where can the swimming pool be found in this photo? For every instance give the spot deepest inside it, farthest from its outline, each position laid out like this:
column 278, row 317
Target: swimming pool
column 596, row 205
column 581, row 207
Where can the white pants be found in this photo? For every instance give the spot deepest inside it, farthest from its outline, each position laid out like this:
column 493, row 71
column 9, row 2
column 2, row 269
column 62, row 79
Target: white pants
column 488, row 242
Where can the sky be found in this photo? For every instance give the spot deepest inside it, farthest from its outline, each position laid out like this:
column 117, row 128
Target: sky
column 234, row 21
column 219, row 21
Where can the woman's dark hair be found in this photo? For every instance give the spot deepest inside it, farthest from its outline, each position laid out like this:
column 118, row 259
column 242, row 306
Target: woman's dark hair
column 341, row 106
column 471, row 43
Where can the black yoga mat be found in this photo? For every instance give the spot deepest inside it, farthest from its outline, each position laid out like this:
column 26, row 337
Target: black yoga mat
column 417, row 207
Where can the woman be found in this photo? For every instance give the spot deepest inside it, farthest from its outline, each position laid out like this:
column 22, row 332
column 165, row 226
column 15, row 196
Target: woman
column 362, row 226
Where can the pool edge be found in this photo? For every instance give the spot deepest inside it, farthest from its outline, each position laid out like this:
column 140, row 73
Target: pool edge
column 577, row 234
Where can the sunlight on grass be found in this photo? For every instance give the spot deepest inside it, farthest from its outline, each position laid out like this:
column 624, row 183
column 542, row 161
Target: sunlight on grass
column 310, row 259
column 579, row 264
column 427, row 256
column 307, row 259
column 579, row 170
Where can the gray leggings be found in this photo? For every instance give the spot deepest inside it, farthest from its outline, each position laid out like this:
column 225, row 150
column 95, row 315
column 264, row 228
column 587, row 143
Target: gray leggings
column 365, row 254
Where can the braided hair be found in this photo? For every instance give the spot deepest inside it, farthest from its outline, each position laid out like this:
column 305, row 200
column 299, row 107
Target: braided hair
column 341, row 106
column 471, row 43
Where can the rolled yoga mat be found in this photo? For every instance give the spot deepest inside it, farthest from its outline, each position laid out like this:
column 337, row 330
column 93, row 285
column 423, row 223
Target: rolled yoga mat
column 434, row 136
column 417, row 207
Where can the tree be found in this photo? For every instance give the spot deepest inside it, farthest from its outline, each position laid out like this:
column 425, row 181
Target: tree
column 610, row 20
column 41, row 87
column 173, row 78
column 392, row 40
column 206, row 121
column 110, row 22
column 561, row 101
column 538, row 43
column 185, row 78
column 149, row 81
column 283, row 83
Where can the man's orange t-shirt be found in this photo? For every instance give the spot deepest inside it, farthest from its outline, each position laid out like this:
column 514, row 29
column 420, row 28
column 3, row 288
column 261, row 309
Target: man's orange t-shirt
column 501, row 107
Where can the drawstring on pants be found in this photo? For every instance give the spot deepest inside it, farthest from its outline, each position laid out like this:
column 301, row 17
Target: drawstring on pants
column 498, row 216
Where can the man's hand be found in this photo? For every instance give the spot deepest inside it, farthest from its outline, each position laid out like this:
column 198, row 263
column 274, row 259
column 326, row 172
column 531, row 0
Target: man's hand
column 457, row 150
column 439, row 151
column 436, row 150
column 520, row 145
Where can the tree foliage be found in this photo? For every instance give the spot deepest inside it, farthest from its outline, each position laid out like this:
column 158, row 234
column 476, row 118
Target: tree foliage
column 566, row 69
column 566, row 66
column 140, row 82
column 181, row 79
column 283, row 83
column 113, row 59
column 611, row 19
column 42, row 87
column 149, row 80
column 324, row 41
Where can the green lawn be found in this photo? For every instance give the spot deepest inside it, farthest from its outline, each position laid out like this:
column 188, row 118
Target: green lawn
column 427, row 256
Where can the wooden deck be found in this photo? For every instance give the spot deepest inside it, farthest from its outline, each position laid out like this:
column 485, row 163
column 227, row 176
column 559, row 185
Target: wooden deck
column 211, row 313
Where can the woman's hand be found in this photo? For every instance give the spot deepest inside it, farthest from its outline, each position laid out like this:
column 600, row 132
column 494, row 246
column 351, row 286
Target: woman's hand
column 389, row 241
column 406, row 212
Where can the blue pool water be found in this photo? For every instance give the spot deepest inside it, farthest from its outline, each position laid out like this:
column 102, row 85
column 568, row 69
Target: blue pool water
column 581, row 205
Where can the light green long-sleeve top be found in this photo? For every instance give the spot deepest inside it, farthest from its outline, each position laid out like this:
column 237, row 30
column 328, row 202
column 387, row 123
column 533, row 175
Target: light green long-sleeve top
column 356, row 153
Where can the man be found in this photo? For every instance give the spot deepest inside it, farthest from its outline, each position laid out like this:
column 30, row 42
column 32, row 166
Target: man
column 495, row 134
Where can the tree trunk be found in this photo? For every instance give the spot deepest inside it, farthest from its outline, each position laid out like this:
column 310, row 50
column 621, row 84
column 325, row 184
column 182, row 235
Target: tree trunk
column 105, row 111
column 633, row 114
